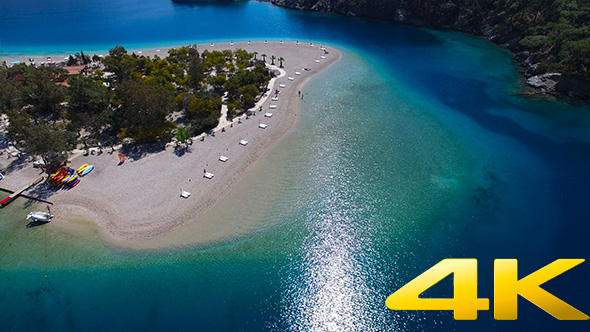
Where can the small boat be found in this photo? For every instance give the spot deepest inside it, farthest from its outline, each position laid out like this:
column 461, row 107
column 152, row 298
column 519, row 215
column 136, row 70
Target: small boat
column 74, row 184
column 81, row 168
column 71, row 181
column 40, row 216
column 87, row 169
column 71, row 174
column 57, row 176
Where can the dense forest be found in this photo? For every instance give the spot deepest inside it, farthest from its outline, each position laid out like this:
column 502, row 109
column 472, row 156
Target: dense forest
column 125, row 98
column 548, row 36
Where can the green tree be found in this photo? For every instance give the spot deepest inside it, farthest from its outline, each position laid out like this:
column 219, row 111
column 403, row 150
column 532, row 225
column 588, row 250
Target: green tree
column 182, row 136
column 11, row 90
column 43, row 94
column 40, row 139
column 281, row 59
column 272, row 58
column 144, row 110
column 196, row 71
column 89, row 100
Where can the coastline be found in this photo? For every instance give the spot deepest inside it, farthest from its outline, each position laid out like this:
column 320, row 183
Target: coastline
column 135, row 204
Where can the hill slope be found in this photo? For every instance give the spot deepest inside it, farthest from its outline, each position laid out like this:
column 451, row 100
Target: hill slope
column 551, row 38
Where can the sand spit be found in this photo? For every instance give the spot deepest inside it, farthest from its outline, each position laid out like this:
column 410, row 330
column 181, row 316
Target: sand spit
column 141, row 198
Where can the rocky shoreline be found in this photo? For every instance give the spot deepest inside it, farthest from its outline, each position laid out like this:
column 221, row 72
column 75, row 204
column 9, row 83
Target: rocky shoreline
column 542, row 82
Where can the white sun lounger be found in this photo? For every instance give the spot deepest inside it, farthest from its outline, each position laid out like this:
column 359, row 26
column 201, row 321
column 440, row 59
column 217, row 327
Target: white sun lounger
column 223, row 158
column 322, row 57
column 268, row 115
column 208, row 175
column 262, row 126
column 272, row 106
column 184, row 194
column 243, row 142
column 297, row 73
column 317, row 61
column 290, row 78
column 274, row 98
column 282, row 85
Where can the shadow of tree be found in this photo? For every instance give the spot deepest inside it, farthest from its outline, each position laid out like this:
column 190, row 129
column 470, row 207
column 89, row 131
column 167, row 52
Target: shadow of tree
column 16, row 164
column 180, row 151
column 43, row 190
column 137, row 151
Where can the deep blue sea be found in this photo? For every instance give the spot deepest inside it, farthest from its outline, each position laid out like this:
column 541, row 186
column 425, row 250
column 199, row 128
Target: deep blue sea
column 413, row 148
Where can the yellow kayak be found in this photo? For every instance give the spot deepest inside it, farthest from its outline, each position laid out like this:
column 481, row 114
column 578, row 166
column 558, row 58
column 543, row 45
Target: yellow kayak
column 82, row 168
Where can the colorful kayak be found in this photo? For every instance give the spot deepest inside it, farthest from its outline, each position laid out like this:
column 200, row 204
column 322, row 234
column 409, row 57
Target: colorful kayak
column 58, row 176
column 74, row 184
column 86, row 170
column 81, row 168
column 71, row 180
column 71, row 175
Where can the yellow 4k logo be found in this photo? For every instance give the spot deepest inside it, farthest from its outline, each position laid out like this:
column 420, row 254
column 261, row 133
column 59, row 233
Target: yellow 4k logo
column 507, row 287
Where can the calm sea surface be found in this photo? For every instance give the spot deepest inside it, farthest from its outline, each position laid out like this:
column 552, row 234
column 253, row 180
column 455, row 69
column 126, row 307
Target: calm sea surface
column 411, row 149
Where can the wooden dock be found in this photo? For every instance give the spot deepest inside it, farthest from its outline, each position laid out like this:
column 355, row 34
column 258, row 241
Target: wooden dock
column 15, row 194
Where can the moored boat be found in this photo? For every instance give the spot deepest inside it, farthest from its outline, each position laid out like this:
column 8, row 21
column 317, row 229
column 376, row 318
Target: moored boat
column 40, row 216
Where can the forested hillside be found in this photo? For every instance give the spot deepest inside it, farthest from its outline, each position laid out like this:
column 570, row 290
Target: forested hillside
column 548, row 36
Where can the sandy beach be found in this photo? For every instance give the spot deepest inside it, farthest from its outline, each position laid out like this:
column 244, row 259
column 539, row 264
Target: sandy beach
column 140, row 200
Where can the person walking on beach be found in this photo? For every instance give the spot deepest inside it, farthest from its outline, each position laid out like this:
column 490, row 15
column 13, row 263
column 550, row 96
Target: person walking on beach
column 299, row 93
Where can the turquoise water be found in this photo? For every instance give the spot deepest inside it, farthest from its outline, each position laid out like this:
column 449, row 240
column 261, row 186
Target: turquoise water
column 409, row 150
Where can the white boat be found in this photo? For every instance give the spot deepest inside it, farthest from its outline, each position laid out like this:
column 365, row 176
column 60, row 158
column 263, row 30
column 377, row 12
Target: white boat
column 40, row 216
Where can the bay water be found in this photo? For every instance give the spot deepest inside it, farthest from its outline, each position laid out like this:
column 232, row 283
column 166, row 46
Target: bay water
column 411, row 149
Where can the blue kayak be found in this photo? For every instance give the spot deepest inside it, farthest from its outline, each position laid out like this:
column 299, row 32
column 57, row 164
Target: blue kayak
column 87, row 170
